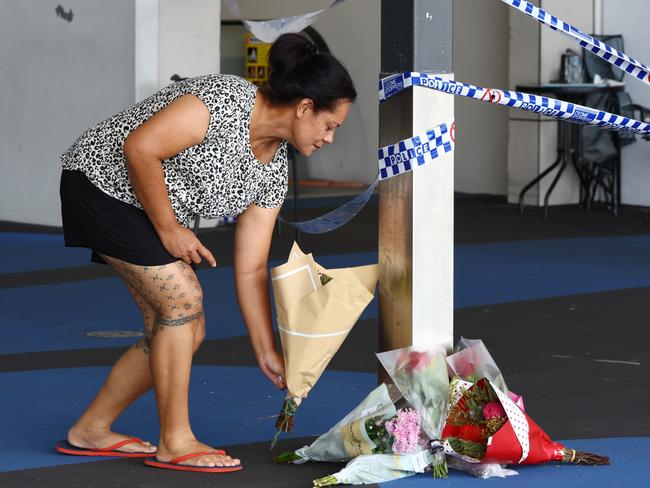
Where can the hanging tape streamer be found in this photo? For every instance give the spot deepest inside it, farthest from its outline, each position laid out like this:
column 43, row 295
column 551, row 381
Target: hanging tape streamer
column 270, row 30
column 391, row 85
column 393, row 160
column 619, row 59
column 337, row 217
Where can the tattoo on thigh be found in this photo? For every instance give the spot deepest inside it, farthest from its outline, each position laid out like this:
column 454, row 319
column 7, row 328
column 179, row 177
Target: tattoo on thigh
column 143, row 345
column 165, row 322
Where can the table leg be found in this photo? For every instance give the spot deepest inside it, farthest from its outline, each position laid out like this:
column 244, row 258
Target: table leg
column 553, row 183
column 537, row 179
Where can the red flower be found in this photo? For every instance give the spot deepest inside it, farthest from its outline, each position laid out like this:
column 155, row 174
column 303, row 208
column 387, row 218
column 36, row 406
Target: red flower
column 450, row 431
column 414, row 361
column 493, row 410
column 418, row 360
column 471, row 433
column 466, row 370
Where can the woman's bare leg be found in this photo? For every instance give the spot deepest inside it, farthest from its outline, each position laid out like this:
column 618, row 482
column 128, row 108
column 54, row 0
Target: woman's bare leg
column 129, row 378
column 175, row 297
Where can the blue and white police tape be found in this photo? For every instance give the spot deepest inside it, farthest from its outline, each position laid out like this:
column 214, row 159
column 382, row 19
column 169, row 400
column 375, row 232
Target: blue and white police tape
column 550, row 107
column 619, row 59
column 415, row 151
column 393, row 160
column 337, row 217
column 270, row 30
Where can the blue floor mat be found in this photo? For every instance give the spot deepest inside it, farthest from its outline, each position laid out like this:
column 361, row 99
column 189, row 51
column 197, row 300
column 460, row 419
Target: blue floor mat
column 33, row 428
column 528, row 270
column 629, row 468
column 56, row 317
column 23, row 252
column 228, row 405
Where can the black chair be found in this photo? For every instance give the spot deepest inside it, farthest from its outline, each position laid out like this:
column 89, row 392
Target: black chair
column 600, row 151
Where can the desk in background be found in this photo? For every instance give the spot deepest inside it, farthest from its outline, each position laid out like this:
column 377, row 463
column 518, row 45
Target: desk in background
column 569, row 140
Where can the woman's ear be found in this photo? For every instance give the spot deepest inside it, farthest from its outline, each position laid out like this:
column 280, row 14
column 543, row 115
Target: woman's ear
column 303, row 107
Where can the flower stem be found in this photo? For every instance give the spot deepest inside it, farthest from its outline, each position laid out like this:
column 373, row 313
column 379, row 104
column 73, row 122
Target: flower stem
column 439, row 464
column 326, row 481
column 287, row 457
column 579, row 457
column 440, row 470
column 285, row 419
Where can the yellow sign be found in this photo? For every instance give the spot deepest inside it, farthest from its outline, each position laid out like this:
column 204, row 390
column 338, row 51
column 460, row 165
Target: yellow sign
column 257, row 59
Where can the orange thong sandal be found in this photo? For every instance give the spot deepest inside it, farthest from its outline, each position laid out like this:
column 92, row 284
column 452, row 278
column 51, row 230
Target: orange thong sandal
column 175, row 463
column 111, row 451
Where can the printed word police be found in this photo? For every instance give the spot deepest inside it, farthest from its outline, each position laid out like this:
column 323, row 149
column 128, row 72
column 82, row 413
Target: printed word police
column 538, row 109
column 441, row 85
column 409, row 154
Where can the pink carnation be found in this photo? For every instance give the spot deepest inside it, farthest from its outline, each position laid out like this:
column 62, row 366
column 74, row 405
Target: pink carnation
column 405, row 429
column 493, row 410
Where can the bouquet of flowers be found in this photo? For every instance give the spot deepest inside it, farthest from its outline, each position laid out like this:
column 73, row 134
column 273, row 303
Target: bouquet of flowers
column 378, row 468
column 485, row 425
column 362, row 431
column 316, row 309
column 472, row 361
column 421, row 377
column 400, row 435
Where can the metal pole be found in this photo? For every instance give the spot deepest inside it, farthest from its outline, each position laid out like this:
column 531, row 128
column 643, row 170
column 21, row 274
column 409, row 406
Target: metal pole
column 416, row 209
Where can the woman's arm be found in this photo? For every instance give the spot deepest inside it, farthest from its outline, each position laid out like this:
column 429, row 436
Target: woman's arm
column 252, row 244
column 181, row 124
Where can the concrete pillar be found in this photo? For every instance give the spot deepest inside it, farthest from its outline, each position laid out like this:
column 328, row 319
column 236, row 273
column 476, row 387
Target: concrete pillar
column 416, row 209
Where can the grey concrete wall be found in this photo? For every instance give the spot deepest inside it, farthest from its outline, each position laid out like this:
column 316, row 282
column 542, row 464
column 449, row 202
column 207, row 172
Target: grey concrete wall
column 56, row 78
column 630, row 18
column 189, row 38
column 481, row 58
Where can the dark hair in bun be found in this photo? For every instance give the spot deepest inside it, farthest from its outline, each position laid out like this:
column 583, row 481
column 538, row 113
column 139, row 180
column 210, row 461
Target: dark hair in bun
column 298, row 70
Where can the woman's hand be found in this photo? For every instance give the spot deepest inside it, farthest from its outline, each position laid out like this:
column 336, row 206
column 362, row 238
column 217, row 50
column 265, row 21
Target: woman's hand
column 272, row 365
column 183, row 244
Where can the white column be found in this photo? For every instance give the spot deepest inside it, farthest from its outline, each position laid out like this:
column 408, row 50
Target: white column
column 147, row 47
column 433, row 229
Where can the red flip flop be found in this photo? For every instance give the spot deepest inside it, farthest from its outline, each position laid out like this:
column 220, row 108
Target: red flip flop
column 111, row 451
column 175, row 463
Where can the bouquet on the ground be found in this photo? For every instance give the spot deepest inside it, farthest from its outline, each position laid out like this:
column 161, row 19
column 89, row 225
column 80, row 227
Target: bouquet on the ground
column 384, row 442
column 378, row 468
column 316, row 309
column 362, row 431
column 471, row 361
column 485, row 425
column 421, row 377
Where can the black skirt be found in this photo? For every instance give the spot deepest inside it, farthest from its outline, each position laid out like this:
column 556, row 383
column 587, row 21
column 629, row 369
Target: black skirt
column 108, row 226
